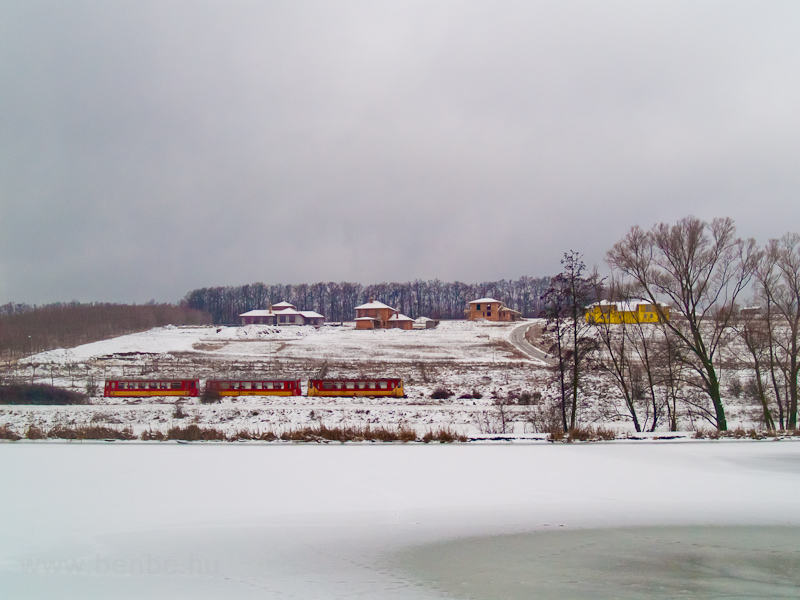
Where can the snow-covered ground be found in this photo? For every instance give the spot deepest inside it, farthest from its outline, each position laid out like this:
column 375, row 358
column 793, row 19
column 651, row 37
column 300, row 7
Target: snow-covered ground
column 477, row 361
column 103, row 520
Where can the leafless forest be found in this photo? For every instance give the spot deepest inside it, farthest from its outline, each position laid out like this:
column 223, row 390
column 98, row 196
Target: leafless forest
column 435, row 299
column 26, row 330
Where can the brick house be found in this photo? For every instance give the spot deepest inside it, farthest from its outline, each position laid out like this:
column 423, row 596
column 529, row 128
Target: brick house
column 282, row 313
column 377, row 315
column 491, row 310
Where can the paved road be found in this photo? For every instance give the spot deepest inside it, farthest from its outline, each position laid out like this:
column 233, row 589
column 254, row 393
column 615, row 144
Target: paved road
column 517, row 338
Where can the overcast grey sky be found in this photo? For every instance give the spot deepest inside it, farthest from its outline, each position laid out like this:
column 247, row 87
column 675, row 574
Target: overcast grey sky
column 151, row 147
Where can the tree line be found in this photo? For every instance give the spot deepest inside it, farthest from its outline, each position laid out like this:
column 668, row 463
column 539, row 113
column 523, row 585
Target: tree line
column 732, row 328
column 337, row 301
column 25, row 329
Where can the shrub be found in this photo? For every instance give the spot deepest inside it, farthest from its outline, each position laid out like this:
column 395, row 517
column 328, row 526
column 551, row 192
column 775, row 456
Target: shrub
column 179, row 413
column 441, row 393
column 38, row 394
column 210, row 396
column 735, row 386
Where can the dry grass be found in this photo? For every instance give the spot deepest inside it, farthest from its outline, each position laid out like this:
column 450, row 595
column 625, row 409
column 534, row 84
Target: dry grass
column 153, row 436
column 444, row 435
column 738, row 433
column 195, row 433
column 582, row 434
column 321, row 433
column 90, row 432
column 6, row 433
column 34, row 433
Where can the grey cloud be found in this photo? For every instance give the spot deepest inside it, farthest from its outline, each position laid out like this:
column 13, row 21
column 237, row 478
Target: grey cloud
column 150, row 147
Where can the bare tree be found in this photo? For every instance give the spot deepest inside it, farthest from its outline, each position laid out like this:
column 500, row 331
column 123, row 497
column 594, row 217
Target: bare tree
column 753, row 331
column 779, row 286
column 565, row 304
column 701, row 269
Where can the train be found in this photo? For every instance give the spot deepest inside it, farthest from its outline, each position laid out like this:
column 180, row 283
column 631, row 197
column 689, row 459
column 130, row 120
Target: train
column 137, row 388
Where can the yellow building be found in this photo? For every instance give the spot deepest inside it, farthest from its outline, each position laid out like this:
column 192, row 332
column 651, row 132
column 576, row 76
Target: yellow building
column 631, row 311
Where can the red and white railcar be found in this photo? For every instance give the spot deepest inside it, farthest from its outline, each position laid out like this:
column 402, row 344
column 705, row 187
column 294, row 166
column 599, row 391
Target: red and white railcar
column 254, row 387
column 356, row 387
column 151, row 387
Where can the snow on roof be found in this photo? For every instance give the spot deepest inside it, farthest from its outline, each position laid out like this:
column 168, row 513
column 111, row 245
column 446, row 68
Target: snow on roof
column 257, row 313
column 400, row 317
column 310, row 314
column 373, row 304
column 627, row 306
column 288, row 311
column 507, row 309
column 283, row 305
column 366, row 319
column 485, row 301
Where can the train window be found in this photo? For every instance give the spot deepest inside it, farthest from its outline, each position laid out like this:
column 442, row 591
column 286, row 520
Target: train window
column 176, row 385
column 362, row 385
column 122, row 385
column 350, row 385
column 256, row 385
column 327, row 385
column 383, row 385
column 338, row 385
column 267, row 385
column 225, row 385
column 277, row 385
column 372, row 385
column 245, row 385
column 234, row 385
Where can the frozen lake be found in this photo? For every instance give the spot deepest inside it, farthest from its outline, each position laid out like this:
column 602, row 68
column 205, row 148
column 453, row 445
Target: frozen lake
column 618, row 563
column 99, row 520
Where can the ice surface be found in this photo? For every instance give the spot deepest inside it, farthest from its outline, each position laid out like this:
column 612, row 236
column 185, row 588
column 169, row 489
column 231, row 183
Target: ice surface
column 303, row 521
